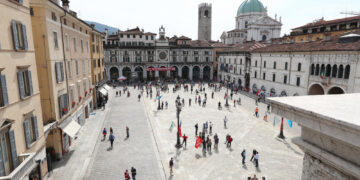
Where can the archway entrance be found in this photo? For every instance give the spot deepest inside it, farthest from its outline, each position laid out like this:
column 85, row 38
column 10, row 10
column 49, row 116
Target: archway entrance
column 127, row 73
column 240, row 83
column 140, row 73
column 114, row 73
column 174, row 74
column 150, row 75
column 254, row 88
column 185, row 72
column 206, row 73
column 316, row 89
column 162, row 74
column 196, row 73
column 336, row 90
column 283, row 93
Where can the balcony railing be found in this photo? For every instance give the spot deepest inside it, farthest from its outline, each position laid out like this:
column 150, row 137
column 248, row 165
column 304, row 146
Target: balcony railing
column 26, row 161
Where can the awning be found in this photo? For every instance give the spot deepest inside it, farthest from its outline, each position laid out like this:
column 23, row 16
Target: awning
column 107, row 87
column 71, row 129
column 103, row 91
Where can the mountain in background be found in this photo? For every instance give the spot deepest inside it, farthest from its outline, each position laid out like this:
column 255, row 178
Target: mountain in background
column 101, row 27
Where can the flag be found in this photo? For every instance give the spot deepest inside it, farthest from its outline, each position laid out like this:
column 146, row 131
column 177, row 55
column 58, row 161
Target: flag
column 198, row 142
column 290, row 123
column 225, row 95
column 172, row 125
column 322, row 74
column 275, row 121
column 282, row 122
column 180, row 131
column 159, row 97
column 257, row 92
column 180, row 122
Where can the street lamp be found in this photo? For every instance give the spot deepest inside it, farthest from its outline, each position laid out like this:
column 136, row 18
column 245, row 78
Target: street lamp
column 178, row 110
column 281, row 135
column 227, row 94
column 158, row 92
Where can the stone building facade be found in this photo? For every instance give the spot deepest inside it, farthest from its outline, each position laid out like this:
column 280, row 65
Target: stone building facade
column 133, row 54
column 63, row 58
column 22, row 141
column 204, row 22
column 314, row 68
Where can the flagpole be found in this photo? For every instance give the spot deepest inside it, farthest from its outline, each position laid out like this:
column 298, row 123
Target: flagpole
column 178, row 109
column 281, row 135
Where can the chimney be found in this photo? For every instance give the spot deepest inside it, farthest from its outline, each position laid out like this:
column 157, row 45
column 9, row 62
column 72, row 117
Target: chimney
column 65, row 4
column 92, row 25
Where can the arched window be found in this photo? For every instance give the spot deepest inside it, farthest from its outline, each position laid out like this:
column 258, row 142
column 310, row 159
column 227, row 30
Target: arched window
column 334, row 71
column 328, row 70
column 322, row 69
column 274, row 65
column 264, row 64
column 286, row 65
column 347, row 72
column 312, row 70
column 240, row 61
column 299, row 67
column 317, row 70
column 341, row 71
column 255, row 63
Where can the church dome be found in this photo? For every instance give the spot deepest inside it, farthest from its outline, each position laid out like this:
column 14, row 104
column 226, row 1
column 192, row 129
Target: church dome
column 250, row 6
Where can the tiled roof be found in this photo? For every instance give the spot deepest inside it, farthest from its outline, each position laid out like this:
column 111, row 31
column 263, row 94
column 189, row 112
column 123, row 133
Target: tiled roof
column 200, row 43
column 322, row 22
column 183, row 38
column 246, row 47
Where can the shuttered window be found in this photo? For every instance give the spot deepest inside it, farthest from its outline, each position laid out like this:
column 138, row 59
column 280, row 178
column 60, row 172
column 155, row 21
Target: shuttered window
column 59, row 70
column 25, row 83
column 19, row 35
column 56, row 43
column 63, row 105
column 31, row 130
column 4, row 99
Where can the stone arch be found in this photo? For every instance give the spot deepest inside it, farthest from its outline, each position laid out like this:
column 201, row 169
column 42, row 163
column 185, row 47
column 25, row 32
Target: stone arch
column 174, row 73
column 140, row 73
column 273, row 91
column 150, row 74
column 316, row 89
column 162, row 74
column 196, row 73
column 336, row 90
column 207, row 73
column 341, row 71
column 114, row 73
column 347, row 72
column 126, row 71
column 185, row 72
column 283, row 93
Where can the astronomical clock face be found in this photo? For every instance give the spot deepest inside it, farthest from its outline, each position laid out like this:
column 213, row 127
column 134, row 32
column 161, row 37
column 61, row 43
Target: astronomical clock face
column 162, row 55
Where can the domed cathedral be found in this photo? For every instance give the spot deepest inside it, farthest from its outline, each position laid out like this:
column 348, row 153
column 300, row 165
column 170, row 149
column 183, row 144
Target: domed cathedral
column 252, row 23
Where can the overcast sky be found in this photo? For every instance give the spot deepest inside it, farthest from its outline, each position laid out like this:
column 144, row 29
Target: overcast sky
column 180, row 17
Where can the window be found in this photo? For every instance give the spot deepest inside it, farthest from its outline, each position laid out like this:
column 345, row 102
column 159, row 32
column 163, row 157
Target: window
column 246, row 24
column 207, row 59
column 87, row 46
column 334, row 71
column 312, row 70
column 93, row 48
column 59, row 68
column 25, row 83
column 185, row 59
column 264, row 75
column 328, row 70
column 82, row 45
column 63, row 104
column 92, row 37
column 274, row 65
column 56, row 44
column 8, row 151
column 286, row 65
column 264, row 64
column 274, row 77
column 299, row 67
column 65, row 21
column 128, row 36
column 4, row 99
column 255, row 63
column 77, row 67
column 174, row 59
column 19, row 36
column 74, row 44
column 69, row 69
column 347, row 72
column 146, row 37
column 99, row 63
column 94, row 63
column 73, row 25
column 298, row 81
column 53, row 16
column 255, row 75
column 31, row 130
column 285, row 79
column 66, row 42
column 317, row 69
column 240, row 61
column 72, row 94
column 196, row 59
column 152, row 37
column 341, row 71
column 83, row 67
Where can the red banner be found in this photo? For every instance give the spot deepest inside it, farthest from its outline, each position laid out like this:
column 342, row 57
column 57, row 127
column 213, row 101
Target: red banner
column 161, row 69
column 198, row 142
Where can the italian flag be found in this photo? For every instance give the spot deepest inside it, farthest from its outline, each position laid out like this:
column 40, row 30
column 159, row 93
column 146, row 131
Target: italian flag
column 322, row 75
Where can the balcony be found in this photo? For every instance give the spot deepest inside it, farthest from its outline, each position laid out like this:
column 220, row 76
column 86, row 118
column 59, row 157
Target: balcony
column 26, row 161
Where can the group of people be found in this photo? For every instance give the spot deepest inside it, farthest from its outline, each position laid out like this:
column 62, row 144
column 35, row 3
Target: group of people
column 254, row 158
column 133, row 174
column 112, row 136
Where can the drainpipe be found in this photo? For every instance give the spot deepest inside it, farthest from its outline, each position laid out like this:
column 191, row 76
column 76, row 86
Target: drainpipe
column 290, row 67
column 308, row 81
column 65, row 67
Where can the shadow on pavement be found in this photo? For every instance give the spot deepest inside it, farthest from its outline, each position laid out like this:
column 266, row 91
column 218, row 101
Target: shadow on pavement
column 63, row 161
column 109, row 148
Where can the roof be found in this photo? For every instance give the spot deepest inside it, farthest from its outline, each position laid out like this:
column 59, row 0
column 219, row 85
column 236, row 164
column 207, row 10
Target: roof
column 250, row 6
column 136, row 31
column 342, row 108
column 323, row 22
column 321, row 45
column 200, row 43
column 246, row 47
column 183, row 38
column 237, row 30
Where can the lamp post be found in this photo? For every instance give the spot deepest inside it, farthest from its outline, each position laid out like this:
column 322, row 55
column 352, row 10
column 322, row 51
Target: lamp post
column 281, row 135
column 227, row 94
column 158, row 92
column 178, row 110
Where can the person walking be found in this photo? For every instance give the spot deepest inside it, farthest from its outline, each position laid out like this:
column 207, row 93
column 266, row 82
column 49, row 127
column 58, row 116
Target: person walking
column 127, row 132
column 212, row 95
column 243, row 155
column 184, row 140
column 257, row 111
column 127, row 176
column 104, row 133
column 268, row 108
column 234, row 103
column 120, row 92
column 171, row 164
column 189, row 101
column 209, row 145
column 253, row 154
column 133, row 173
column 204, row 143
column 216, row 141
column 229, row 141
column 111, row 130
column 225, row 121
column 166, row 104
column 256, row 158
column 111, row 138
column 210, row 128
column 162, row 105
column 196, row 129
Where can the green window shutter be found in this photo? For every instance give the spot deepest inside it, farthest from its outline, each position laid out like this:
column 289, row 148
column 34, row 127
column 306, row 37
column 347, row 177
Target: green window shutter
column 26, row 47
column 21, row 85
column 57, row 72
column 30, row 83
column 2, row 169
column 15, row 35
column 27, row 133
column 14, row 155
column 4, row 90
column 36, row 127
column 62, row 71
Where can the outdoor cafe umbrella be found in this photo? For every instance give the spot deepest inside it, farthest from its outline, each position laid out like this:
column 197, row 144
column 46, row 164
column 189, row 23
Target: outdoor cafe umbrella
column 122, row 78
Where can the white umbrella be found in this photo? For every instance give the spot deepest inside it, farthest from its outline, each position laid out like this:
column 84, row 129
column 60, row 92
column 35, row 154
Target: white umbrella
column 122, row 78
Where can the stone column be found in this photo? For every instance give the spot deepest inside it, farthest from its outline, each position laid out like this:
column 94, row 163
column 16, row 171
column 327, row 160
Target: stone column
column 180, row 72
column 145, row 73
column 190, row 72
column 201, row 73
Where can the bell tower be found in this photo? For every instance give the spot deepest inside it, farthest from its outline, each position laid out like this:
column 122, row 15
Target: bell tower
column 204, row 24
